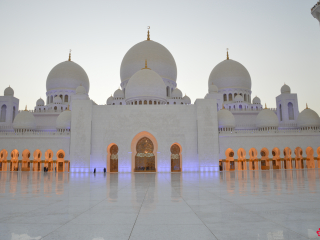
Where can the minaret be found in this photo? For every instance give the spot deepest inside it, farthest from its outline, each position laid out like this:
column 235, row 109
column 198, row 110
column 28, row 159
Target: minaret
column 315, row 11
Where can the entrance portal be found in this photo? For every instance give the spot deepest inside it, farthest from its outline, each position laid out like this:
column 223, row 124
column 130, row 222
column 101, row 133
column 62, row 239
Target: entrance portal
column 175, row 158
column 114, row 158
column 145, row 159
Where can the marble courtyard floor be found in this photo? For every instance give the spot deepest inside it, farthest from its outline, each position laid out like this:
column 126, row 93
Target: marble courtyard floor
column 276, row 204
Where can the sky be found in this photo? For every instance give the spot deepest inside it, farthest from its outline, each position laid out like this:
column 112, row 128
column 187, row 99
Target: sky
column 277, row 41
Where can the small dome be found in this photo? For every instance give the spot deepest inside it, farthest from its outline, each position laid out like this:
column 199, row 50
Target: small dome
column 285, row 89
column 81, row 90
column 308, row 118
column 57, row 100
column 40, row 102
column 8, row 91
column 256, row 100
column 186, row 99
column 159, row 59
column 146, row 84
column 110, row 100
column 238, row 98
column 24, row 120
column 213, row 88
column 67, row 75
column 267, row 118
column 226, row 119
column 64, row 120
column 230, row 74
column 176, row 93
column 118, row 94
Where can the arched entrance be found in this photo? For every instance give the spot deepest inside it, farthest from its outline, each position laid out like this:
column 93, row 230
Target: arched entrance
column 299, row 158
column 3, row 160
column 60, row 161
column 37, row 160
column 145, row 159
column 25, row 160
column 114, row 158
column 230, row 166
column 175, row 158
column 276, row 163
column 48, row 160
column 14, row 160
column 242, row 163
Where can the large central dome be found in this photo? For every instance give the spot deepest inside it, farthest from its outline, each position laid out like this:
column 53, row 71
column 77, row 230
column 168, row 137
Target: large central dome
column 159, row 59
column 230, row 74
column 67, row 75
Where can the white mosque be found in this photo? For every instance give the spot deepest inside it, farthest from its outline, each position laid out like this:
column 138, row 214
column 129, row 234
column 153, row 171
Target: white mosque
column 149, row 126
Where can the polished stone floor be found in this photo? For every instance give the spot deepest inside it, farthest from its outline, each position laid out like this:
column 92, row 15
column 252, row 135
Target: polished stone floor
column 276, row 204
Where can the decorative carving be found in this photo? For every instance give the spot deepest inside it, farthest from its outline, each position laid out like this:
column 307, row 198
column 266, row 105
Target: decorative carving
column 114, row 158
column 145, row 159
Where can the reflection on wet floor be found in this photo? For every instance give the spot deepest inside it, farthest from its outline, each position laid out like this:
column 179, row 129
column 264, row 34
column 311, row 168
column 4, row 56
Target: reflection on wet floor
column 275, row 204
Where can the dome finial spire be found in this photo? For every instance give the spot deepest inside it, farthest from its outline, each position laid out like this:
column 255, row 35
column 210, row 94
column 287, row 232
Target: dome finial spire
column 26, row 108
column 227, row 53
column 307, row 106
column 145, row 65
column 69, row 56
column 148, row 36
column 223, row 106
column 265, row 106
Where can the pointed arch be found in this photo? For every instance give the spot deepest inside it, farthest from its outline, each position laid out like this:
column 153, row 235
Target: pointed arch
column 134, row 143
column 3, row 115
column 176, row 157
column 299, row 162
column 14, row 160
column 276, row 164
column 37, row 154
column 60, row 166
column 112, row 158
column 48, row 162
column 310, row 157
column 3, row 160
column 253, row 160
column 25, row 160
column 264, row 159
column 287, row 163
column 242, row 161
column 230, row 165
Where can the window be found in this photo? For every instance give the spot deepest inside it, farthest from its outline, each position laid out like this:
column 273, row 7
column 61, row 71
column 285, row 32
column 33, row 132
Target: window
column 230, row 96
column 290, row 111
column 231, row 154
column 245, row 97
column 66, row 98
column 145, row 102
column 140, row 102
column 13, row 113
column 60, row 155
column 280, row 109
column 150, row 102
column 224, row 97
column 3, row 113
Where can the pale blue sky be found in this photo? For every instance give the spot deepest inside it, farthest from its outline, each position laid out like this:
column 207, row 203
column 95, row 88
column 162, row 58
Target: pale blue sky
column 277, row 41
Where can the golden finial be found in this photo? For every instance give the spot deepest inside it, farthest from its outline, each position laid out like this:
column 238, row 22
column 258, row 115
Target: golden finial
column 145, row 65
column 307, row 106
column 70, row 55
column 148, row 36
column 26, row 109
column 227, row 53
column 223, row 106
column 265, row 106
column 68, row 108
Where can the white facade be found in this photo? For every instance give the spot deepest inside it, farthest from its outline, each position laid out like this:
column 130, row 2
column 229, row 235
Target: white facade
column 224, row 130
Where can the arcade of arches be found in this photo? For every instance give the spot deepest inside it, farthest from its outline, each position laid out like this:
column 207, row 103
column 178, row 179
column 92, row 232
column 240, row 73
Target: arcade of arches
column 270, row 159
column 36, row 164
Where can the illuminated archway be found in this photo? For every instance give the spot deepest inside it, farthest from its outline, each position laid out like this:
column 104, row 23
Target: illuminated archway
column 230, row 165
column 37, row 160
column 299, row 158
column 60, row 161
column 14, row 160
column 134, row 144
column 242, row 161
column 25, row 160
column 310, row 157
column 276, row 163
column 176, row 157
column 3, row 160
column 48, row 160
column 253, row 161
column 112, row 158
column 287, row 163
column 264, row 159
